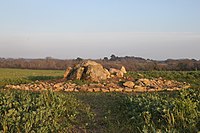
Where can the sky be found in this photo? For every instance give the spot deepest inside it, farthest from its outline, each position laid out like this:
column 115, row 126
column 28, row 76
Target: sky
column 154, row 29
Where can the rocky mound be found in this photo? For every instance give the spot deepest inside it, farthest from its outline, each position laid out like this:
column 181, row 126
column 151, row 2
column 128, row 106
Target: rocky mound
column 92, row 71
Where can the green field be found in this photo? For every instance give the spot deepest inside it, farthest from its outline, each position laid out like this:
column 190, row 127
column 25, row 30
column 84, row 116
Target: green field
column 18, row 76
column 23, row 111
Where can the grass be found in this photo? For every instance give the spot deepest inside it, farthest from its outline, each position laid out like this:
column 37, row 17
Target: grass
column 19, row 76
column 99, row 112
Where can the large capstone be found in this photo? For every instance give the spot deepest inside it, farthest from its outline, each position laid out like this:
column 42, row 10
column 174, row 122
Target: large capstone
column 87, row 70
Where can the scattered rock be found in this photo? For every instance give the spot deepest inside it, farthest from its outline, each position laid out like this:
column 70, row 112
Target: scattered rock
column 97, row 89
column 129, row 84
column 83, row 88
column 115, row 72
column 145, row 82
column 76, row 90
column 56, row 85
column 120, row 74
column 139, row 89
column 141, row 85
column 151, row 90
column 90, row 90
column 104, row 90
column 128, row 90
column 111, row 89
column 69, row 89
column 119, row 89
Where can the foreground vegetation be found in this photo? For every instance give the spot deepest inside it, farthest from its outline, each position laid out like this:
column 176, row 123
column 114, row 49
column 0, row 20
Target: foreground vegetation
column 26, row 112
column 23, row 111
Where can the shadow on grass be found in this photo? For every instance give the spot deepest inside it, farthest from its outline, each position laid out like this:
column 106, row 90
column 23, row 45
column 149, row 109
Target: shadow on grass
column 34, row 78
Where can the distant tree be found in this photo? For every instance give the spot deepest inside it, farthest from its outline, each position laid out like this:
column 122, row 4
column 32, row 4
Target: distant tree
column 113, row 57
column 79, row 59
column 49, row 57
column 105, row 58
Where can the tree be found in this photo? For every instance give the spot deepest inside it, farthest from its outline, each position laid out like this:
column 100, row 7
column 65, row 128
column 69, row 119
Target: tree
column 105, row 58
column 113, row 57
column 79, row 59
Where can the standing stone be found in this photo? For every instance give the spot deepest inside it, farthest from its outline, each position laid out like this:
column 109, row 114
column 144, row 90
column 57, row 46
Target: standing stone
column 67, row 72
column 123, row 69
column 76, row 73
column 79, row 73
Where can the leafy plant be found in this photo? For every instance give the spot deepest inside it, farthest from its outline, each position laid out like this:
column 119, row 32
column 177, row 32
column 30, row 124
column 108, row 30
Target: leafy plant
column 154, row 112
column 22, row 111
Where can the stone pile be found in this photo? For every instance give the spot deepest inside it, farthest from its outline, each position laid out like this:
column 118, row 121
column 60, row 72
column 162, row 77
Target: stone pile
column 159, row 84
column 140, row 85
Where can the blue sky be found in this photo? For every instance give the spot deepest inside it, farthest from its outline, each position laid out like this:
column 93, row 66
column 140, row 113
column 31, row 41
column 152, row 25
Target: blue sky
column 45, row 25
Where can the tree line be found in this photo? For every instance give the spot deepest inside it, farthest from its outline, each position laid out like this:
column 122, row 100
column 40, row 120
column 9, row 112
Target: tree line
column 130, row 62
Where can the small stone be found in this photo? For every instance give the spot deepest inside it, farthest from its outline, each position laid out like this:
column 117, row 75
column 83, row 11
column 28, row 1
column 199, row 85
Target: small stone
column 40, row 86
column 69, row 89
column 37, row 89
column 111, row 89
column 60, row 88
column 129, row 84
column 120, row 74
column 118, row 89
column 93, row 85
column 90, row 90
column 26, row 88
column 76, row 90
column 58, row 85
column 83, row 88
column 17, row 87
column 128, row 90
column 170, row 89
column 8, row 86
column 151, row 90
column 97, row 89
column 139, row 89
column 104, row 90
